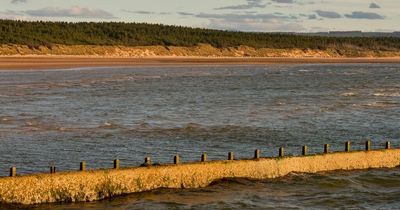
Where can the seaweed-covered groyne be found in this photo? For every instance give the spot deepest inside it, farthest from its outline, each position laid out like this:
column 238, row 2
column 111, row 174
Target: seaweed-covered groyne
column 91, row 185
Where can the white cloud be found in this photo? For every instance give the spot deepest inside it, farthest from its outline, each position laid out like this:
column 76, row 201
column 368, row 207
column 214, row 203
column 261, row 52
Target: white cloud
column 284, row 1
column 328, row 14
column 9, row 14
column 250, row 21
column 255, row 25
column 19, row 1
column 250, row 5
column 75, row 11
column 365, row 15
column 374, row 6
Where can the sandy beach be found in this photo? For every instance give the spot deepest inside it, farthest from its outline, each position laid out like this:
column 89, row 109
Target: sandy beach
column 66, row 62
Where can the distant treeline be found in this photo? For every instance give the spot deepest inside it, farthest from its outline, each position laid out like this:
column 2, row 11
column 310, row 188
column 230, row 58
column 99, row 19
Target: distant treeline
column 142, row 34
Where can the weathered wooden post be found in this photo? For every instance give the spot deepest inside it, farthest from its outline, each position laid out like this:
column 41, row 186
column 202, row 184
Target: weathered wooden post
column 82, row 166
column 368, row 145
column 281, row 152
column 347, row 146
column 147, row 161
column 231, row 156
column 257, row 154
column 388, row 145
column 177, row 159
column 327, row 148
column 304, row 150
column 204, row 157
column 13, row 171
column 52, row 169
column 116, row 164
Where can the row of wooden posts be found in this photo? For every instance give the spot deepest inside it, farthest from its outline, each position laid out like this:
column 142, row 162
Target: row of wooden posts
column 257, row 155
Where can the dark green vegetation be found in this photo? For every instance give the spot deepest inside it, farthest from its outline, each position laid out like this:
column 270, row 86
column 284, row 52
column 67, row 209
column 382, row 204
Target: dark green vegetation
column 141, row 34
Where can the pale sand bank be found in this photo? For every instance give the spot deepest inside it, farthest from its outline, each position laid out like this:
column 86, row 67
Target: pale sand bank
column 100, row 184
column 66, row 62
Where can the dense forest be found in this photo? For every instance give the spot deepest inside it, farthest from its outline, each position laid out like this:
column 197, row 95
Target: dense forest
column 142, row 34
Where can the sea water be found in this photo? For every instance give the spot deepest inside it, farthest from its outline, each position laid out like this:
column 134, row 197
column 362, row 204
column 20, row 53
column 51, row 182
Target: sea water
column 62, row 117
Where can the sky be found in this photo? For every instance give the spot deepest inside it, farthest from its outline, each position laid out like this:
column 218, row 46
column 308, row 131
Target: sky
column 240, row 15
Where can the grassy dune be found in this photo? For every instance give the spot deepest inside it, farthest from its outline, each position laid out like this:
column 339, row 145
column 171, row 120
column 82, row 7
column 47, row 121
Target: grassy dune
column 99, row 184
column 200, row 50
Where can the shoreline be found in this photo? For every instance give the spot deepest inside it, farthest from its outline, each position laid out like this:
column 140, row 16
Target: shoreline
column 36, row 62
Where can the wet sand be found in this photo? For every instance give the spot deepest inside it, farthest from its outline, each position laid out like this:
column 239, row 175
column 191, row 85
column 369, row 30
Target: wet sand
column 66, row 62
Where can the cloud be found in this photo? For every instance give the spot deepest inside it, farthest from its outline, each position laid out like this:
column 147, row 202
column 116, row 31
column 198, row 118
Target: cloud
column 250, row 21
column 312, row 17
column 12, row 15
column 234, row 16
column 143, row 12
column 9, row 14
column 284, row 1
column 250, row 5
column 365, row 15
column 254, row 25
column 186, row 14
column 328, row 14
column 18, row 1
column 75, row 11
column 374, row 6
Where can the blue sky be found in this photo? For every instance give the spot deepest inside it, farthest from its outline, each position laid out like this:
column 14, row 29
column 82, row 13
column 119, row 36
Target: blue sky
column 244, row 15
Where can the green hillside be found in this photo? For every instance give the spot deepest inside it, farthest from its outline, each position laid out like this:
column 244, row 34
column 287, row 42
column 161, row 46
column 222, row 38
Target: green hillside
column 141, row 34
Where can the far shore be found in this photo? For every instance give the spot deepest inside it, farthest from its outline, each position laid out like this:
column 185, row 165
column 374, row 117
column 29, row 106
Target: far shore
column 37, row 62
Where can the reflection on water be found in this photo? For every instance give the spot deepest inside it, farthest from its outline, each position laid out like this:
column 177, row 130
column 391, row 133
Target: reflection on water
column 97, row 115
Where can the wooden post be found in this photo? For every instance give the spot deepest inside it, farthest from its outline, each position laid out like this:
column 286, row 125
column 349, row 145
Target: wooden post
column 204, row 157
column 347, row 146
column 116, row 164
column 231, row 156
column 82, row 166
column 257, row 154
column 177, row 159
column 13, row 171
column 304, row 150
column 52, row 169
column 388, row 145
column 147, row 161
column 281, row 152
column 327, row 148
column 368, row 145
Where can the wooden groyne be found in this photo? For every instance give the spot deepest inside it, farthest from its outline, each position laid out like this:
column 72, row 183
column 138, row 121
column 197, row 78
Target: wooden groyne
column 91, row 185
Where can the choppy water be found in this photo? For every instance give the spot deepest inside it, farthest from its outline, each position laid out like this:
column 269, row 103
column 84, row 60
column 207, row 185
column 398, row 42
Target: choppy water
column 97, row 115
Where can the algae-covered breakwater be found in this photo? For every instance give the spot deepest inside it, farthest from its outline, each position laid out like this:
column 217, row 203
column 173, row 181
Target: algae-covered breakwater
column 99, row 184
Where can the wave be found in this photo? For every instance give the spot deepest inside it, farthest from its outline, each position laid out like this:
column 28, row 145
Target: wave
column 189, row 127
column 387, row 92
column 6, row 119
column 39, row 124
column 396, row 94
column 382, row 104
column 110, row 125
column 347, row 94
